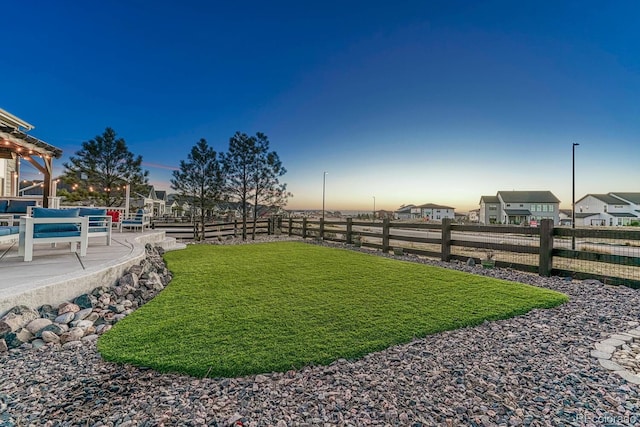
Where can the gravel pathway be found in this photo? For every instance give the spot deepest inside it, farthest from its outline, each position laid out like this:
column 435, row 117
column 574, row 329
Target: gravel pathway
column 533, row 370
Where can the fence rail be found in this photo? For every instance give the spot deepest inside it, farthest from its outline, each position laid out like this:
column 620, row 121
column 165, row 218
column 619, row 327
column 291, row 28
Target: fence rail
column 611, row 256
column 185, row 231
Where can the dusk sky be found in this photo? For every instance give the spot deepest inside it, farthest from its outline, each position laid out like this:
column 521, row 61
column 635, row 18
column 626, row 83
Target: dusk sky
column 408, row 101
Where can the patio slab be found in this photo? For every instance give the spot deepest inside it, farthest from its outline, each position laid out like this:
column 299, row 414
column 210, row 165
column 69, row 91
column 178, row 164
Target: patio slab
column 56, row 274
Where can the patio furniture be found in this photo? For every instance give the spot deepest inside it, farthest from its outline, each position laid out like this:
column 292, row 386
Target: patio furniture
column 141, row 220
column 53, row 226
column 99, row 223
column 8, row 234
column 12, row 209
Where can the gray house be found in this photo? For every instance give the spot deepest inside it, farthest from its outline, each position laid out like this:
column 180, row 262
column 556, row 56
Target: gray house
column 519, row 207
column 611, row 209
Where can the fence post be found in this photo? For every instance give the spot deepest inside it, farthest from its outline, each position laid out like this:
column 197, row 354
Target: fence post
column 270, row 226
column 304, row 228
column 349, row 236
column 385, row 235
column 446, row 240
column 235, row 227
column 290, row 227
column 545, row 263
column 321, row 229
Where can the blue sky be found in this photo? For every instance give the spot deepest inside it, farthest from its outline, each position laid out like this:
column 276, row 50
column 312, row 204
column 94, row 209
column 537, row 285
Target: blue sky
column 410, row 102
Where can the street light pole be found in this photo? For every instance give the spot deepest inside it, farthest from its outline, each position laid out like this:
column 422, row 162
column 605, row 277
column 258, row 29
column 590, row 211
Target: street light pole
column 374, row 208
column 573, row 199
column 324, row 180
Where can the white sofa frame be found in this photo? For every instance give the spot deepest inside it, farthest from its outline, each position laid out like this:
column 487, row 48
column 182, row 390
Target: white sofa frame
column 26, row 239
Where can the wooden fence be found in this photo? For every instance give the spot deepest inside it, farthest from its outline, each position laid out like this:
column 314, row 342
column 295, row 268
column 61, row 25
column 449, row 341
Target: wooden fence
column 185, row 231
column 609, row 255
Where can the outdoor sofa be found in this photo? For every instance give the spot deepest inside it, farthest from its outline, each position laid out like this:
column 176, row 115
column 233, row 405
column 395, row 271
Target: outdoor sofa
column 73, row 226
column 12, row 209
column 8, row 233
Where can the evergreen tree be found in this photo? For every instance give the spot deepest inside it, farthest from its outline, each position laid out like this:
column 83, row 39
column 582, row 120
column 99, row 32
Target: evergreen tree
column 199, row 180
column 103, row 167
column 265, row 178
column 237, row 166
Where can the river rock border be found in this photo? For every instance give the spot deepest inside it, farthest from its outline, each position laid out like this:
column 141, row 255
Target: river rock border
column 88, row 315
column 620, row 353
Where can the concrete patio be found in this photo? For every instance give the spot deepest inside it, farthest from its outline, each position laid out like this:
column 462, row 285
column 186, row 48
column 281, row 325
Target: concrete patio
column 56, row 274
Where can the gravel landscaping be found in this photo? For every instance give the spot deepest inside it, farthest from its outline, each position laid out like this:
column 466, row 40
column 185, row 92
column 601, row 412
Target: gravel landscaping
column 535, row 369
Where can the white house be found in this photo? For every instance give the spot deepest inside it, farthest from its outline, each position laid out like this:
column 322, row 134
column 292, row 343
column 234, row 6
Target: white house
column 611, row 209
column 404, row 212
column 519, row 207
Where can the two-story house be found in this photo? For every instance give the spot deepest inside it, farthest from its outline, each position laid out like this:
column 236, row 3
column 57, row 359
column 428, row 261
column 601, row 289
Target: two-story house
column 611, row 209
column 519, row 207
column 428, row 212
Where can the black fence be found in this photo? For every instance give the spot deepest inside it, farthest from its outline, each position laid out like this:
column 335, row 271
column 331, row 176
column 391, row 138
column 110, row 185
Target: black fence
column 611, row 255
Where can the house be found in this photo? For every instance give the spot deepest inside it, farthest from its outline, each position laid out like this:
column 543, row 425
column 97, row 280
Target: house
column 519, row 207
column 153, row 201
column 611, row 209
column 565, row 216
column 433, row 212
column 404, row 212
column 427, row 212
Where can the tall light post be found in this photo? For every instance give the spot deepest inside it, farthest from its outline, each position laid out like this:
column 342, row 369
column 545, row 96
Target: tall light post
column 324, row 181
column 573, row 196
column 374, row 208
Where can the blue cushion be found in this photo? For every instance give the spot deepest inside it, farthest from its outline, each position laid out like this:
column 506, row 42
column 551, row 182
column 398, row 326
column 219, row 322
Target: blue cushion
column 55, row 233
column 4, row 204
column 6, row 230
column 20, row 206
column 92, row 212
column 55, row 228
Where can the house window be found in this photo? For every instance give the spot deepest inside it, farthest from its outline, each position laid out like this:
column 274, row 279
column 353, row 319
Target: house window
column 544, row 208
column 493, row 208
column 539, row 208
column 508, row 205
column 533, row 208
column 605, row 208
column 550, row 208
column 522, row 206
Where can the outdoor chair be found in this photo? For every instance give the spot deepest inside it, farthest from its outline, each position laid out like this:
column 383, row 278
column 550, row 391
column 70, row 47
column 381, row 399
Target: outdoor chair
column 53, row 226
column 99, row 223
column 141, row 220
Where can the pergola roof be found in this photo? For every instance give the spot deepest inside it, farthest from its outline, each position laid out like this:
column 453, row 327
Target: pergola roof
column 17, row 141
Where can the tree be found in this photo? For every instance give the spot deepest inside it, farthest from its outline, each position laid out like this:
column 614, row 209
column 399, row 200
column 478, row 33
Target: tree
column 101, row 170
column 199, row 180
column 265, row 181
column 237, row 166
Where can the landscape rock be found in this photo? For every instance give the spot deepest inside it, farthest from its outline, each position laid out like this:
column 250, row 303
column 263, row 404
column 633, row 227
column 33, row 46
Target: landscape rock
column 37, row 324
column 68, row 307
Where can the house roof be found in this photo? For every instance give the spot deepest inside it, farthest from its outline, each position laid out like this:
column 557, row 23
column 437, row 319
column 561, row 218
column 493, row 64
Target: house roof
column 586, row 214
column 527, row 197
column 630, row 197
column 433, row 206
column 403, row 209
column 566, row 211
column 606, row 198
column 622, row 214
column 161, row 194
column 517, row 212
column 489, row 199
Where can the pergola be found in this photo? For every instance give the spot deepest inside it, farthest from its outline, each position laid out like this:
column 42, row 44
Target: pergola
column 16, row 144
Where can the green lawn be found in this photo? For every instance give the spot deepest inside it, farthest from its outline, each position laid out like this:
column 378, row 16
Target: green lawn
column 248, row 309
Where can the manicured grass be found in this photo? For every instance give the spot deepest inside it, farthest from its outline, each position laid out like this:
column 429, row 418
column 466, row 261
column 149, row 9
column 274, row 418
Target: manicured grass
column 247, row 309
